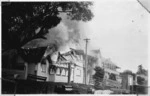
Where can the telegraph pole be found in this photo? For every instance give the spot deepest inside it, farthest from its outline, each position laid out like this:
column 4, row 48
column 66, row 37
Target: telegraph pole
column 69, row 71
column 86, row 41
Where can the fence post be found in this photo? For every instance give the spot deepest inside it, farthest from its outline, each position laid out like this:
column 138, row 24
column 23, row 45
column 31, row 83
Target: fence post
column 15, row 78
column 137, row 90
column 15, row 90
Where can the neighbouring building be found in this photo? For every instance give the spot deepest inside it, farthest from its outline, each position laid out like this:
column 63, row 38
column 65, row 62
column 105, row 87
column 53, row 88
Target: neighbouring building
column 127, row 83
column 112, row 77
column 141, row 82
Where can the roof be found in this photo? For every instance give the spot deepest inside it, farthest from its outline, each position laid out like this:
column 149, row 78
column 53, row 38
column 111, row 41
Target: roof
column 32, row 55
column 77, row 51
column 107, row 60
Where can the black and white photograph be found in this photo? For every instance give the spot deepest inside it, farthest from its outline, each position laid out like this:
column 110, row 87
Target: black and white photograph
column 75, row 47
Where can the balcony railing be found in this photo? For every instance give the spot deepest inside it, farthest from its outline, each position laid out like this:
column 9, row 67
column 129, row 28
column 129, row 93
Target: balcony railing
column 112, row 83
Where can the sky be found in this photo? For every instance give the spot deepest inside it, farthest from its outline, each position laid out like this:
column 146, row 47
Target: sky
column 120, row 29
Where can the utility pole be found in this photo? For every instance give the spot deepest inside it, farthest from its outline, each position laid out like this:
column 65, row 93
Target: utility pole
column 86, row 41
column 69, row 71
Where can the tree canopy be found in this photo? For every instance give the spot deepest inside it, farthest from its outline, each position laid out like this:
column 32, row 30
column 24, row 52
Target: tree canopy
column 26, row 21
column 141, row 70
column 98, row 78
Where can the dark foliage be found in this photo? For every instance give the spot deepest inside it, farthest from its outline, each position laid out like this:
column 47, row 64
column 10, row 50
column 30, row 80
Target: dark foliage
column 98, row 77
column 112, row 76
column 32, row 55
column 142, row 71
column 38, row 87
column 20, row 20
column 140, row 80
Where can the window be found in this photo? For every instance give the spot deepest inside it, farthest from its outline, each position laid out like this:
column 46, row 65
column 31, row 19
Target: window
column 78, row 72
column 112, row 76
column 43, row 66
column 63, row 73
column 66, row 72
column 58, row 71
column 81, row 57
column 52, row 71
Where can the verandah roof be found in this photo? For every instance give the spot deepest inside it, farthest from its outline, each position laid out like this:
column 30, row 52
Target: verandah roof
column 33, row 55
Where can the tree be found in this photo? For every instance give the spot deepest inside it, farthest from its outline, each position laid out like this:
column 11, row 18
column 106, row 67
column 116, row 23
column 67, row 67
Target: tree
column 23, row 22
column 112, row 76
column 141, row 70
column 98, row 77
column 140, row 80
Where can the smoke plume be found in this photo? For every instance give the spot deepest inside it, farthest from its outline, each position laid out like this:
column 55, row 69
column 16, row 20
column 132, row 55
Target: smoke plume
column 65, row 35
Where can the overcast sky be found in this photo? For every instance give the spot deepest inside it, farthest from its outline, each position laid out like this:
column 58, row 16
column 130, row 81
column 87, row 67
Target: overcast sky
column 120, row 29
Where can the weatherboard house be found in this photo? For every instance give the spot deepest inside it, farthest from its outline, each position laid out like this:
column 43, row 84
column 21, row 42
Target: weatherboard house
column 47, row 64
column 112, row 79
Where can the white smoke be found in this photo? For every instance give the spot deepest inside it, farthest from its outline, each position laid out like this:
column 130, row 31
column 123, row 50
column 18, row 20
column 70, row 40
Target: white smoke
column 67, row 34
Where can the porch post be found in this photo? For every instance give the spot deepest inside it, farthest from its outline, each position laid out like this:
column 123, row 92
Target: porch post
column 26, row 69
column 69, row 71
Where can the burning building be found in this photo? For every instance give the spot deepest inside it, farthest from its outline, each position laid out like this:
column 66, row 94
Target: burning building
column 49, row 63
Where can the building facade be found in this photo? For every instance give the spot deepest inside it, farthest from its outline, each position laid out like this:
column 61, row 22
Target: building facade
column 58, row 69
column 127, row 83
column 112, row 76
column 52, row 65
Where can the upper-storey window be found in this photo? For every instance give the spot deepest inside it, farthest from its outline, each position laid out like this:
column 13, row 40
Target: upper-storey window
column 43, row 66
column 58, row 71
column 81, row 57
column 63, row 73
column 112, row 76
column 78, row 72
column 52, row 71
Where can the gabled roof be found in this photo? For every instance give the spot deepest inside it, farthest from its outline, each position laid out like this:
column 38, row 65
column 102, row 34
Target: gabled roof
column 61, row 57
column 77, row 51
